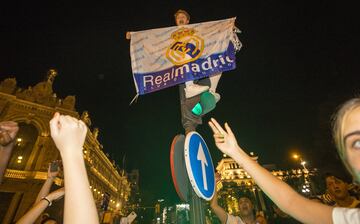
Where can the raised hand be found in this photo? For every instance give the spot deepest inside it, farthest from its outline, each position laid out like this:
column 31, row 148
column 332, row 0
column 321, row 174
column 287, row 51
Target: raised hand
column 51, row 173
column 68, row 134
column 57, row 194
column 224, row 139
column 8, row 131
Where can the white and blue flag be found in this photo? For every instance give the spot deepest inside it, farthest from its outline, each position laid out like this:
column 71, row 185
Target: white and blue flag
column 165, row 57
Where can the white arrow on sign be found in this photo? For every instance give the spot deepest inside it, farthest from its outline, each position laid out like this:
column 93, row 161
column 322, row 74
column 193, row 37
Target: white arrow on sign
column 202, row 158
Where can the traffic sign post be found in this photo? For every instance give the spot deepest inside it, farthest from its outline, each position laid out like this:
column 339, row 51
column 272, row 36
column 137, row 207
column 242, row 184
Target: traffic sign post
column 192, row 172
column 199, row 166
column 178, row 169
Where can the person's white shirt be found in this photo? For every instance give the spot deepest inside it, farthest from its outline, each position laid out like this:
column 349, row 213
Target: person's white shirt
column 233, row 219
column 346, row 215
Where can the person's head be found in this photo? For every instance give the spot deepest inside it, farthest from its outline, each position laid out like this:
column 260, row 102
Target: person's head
column 246, row 207
column 336, row 187
column 49, row 220
column 346, row 133
column 181, row 17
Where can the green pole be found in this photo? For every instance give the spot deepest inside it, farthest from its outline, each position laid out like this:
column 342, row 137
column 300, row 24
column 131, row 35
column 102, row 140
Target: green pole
column 197, row 215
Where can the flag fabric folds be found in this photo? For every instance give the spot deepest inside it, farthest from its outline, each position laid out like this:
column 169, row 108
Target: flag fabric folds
column 166, row 57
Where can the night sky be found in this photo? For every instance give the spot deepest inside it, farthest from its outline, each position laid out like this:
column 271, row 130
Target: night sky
column 298, row 62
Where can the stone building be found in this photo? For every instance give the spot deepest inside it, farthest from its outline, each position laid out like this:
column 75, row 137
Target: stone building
column 33, row 108
column 236, row 182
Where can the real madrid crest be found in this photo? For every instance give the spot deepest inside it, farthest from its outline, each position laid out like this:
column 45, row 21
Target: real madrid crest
column 186, row 46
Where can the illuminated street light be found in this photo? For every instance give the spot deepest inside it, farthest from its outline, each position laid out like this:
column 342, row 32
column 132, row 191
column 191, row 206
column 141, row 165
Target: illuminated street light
column 302, row 162
column 306, row 187
column 295, row 156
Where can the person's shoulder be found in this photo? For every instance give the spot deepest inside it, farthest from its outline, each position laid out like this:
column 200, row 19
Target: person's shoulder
column 346, row 215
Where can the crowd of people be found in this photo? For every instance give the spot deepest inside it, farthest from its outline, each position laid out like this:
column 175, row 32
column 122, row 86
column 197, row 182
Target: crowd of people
column 68, row 134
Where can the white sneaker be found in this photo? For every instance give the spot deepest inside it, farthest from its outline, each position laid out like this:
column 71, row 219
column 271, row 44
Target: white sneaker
column 216, row 95
column 194, row 89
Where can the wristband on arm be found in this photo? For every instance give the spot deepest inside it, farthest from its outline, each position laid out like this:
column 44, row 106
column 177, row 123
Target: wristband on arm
column 45, row 198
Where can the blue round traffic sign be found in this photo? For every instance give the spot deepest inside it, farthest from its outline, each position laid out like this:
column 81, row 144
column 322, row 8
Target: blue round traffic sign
column 199, row 166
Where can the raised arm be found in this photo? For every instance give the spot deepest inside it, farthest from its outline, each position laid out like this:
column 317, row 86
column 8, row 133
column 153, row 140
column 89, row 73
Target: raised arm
column 219, row 211
column 282, row 194
column 45, row 189
column 69, row 135
column 38, row 208
column 8, row 131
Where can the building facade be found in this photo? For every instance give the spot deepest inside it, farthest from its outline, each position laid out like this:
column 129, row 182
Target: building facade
column 236, row 182
column 32, row 109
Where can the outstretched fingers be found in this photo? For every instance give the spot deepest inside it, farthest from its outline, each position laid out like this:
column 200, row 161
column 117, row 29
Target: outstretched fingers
column 213, row 128
column 218, row 127
column 228, row 129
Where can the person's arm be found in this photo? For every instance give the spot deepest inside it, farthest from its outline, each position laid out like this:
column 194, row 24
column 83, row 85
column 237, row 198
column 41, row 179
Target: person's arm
column 282, row 194
column 8, row 131
column 219, row 211
column 39, row 207
column 69, row 135
column 45, row 189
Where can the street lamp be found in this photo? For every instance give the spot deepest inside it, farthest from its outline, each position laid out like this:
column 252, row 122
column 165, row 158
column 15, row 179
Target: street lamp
column 302, row 162
column 306, row 187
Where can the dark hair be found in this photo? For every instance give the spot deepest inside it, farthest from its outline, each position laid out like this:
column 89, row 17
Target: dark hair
column 343, row 176
column 183, row 12
column 48, row 219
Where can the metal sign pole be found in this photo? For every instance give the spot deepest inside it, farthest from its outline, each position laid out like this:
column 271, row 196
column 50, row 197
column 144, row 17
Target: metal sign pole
column 192, row 172
column 197, row 215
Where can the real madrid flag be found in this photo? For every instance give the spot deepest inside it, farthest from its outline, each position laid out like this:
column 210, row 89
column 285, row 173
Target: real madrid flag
column 165, row 57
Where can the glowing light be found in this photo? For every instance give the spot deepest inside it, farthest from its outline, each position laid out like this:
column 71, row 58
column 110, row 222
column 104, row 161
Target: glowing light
column 20, row 157
column 19, row 139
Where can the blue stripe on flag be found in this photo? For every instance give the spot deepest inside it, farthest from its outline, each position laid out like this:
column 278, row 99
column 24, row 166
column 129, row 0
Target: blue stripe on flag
column 201, row 68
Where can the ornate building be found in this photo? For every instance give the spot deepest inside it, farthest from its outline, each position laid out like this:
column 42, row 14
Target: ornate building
column 33, row 108
column 236, row 182
column 134, row 200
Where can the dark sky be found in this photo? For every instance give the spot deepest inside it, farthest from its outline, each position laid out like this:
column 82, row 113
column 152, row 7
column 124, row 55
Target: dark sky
column 299, row 60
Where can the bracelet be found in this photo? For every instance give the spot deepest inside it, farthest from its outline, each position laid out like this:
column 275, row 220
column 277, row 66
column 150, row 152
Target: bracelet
column 45, row 198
